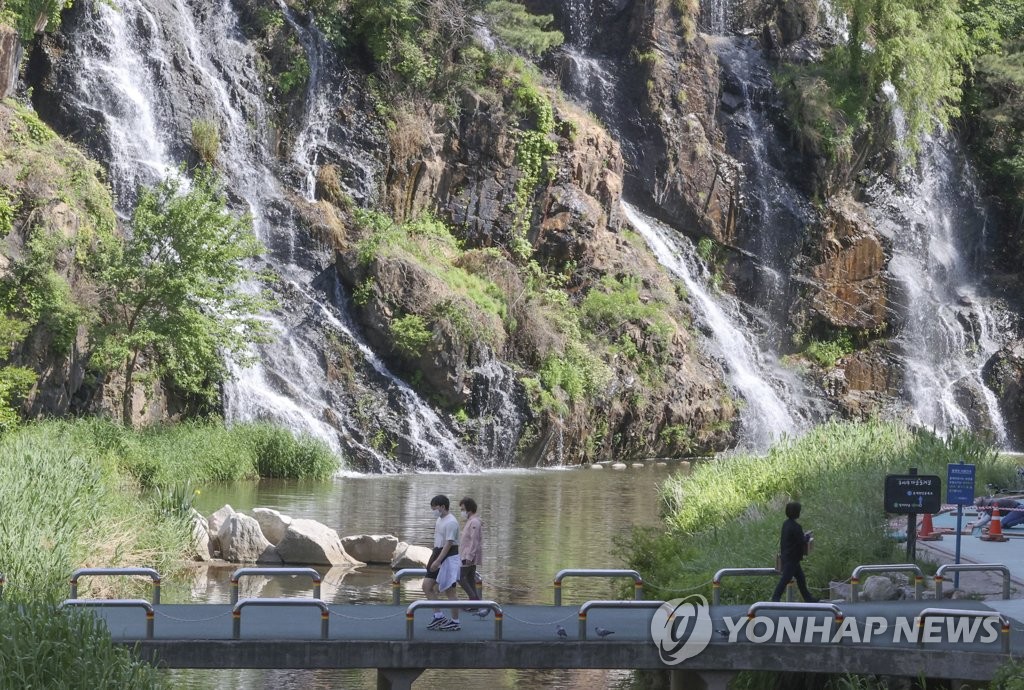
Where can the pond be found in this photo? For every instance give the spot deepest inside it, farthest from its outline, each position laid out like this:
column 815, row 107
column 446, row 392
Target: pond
column 536, row 522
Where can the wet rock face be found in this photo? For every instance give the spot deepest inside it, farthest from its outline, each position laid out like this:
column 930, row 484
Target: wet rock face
column 867, row 383
column 10, row 60
column 1004, row 375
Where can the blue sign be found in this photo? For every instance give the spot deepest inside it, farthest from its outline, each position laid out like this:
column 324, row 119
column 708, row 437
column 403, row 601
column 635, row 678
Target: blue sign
column 960, row 484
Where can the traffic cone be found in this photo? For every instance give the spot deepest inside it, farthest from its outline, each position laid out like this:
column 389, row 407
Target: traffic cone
column 995, row 532
column 928, row 532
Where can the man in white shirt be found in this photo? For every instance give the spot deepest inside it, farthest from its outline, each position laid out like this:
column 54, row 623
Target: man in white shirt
column 444, row 565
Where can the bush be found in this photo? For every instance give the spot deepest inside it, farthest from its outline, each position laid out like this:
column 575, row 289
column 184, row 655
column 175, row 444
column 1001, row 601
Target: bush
column 206, row 140
column 410, row 334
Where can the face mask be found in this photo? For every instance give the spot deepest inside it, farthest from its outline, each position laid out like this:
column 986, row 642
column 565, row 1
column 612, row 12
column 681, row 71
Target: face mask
column 437, row 512
column 464, row 515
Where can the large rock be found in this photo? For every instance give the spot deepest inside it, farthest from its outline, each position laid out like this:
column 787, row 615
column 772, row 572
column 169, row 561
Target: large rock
column 200, row 537
column 215, row 522
column 879, row 588
column 410, row 556
column 273, row 523
column 308, row 542
column 1004, row 375
column 242, row 541
column 10, row 60
column 371, row 548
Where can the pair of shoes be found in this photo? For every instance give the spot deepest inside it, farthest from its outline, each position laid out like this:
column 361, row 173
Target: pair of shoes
column 438, row 622
column 450, row 626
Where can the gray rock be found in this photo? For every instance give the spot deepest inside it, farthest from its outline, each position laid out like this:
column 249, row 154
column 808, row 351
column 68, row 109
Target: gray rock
column 242, row 541
column 200, row 537
column 215, row 522
column 879, row 588
column 410, row 556
column 273, row 523
column 308, row 542
column 371, row 548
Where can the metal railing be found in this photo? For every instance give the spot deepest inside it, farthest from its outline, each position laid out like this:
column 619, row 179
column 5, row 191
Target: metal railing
column 796, row 607
column 716, row 582
column 612, row 604
column 969, row 567
column 236, row 612
column 638, row 582
column 410, row 613
column 146, row 572
column 1004, row 622
column 396, row 582
column 273, row 572
column 893, row 568
column 116, row 603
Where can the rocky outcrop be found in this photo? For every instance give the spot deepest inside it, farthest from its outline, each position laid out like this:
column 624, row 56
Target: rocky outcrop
column 10, row 60
column 1004, row 375
column 410, row 556
column 242, row 541
column 371, row 548
column 273, row 524
column 308, row 542
column 867, row 383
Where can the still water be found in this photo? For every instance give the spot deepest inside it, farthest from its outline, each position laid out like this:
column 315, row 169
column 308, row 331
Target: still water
column 536, row 522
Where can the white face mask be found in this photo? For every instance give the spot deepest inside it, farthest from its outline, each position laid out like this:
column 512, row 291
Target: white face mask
column 437, row 512
column 464, row 515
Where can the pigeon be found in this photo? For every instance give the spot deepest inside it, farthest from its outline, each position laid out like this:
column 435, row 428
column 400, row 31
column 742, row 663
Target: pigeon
column 482, row 613
column 561, row 632
column 723, row 633
column 603, row 632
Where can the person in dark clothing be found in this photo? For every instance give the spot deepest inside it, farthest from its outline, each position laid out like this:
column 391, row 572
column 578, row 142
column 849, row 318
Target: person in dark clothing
column 791, row 552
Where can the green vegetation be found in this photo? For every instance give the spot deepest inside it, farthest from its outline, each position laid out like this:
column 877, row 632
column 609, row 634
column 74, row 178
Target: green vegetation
column 828, row 352
column 295, row 77
column 729, row 512
column 1010, row 676
column 170, row 299
column 206, row 140
column 410, row 334
column 514, row 25
column 22, row 15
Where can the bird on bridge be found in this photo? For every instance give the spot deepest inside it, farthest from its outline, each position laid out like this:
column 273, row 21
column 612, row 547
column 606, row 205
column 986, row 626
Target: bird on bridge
column 482, row 613
column 560, row 631
column 603, row 632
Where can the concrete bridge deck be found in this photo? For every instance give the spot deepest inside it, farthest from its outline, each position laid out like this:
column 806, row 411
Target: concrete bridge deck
column 374, row 636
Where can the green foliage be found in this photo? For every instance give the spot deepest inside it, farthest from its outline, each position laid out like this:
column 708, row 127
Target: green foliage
column 1010, row 676
column 828, row 352
column 206, row 140
column 22, row 14
column 730, row 511
column 296, row 76
column 279, row 454
column 609, row 307
column 514, row 25
column 46, row 648
column 410, row 334
column 363, row 292
column 171, row 292
column 578, row 373
column 8, row 210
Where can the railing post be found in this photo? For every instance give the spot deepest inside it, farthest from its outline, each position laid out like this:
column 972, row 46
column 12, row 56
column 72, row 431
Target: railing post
column 638, row 582
column 558, row 591
column 716, row 592
column 147, row 572
column 272, row 572
column 583, row 623
column 854, row 586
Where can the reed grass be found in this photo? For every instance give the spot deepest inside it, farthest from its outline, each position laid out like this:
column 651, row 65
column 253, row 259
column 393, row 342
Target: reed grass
column 728, row 512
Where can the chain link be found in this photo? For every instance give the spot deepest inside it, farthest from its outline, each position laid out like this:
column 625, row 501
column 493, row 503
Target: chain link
column 574, row 614
column 158, row 612
column 364, row 618
column 677, row 591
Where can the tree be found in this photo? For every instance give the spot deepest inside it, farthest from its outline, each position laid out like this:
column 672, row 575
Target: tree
column 514, row 24
column 171, row 296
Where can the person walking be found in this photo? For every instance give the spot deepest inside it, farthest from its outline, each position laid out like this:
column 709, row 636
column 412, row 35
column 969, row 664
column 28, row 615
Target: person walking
column 443, row 566
column 791, row 551
column 471, row 547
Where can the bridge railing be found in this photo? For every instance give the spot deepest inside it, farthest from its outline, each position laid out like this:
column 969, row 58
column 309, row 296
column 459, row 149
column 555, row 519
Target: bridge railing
column 716, row 581
column 236, row 611
column 145, row 572
column 796, row 607
column 396, row 582
column 612, row 604
column 638, row 582
column 116, row 603
column 274, row 572
column 887, row 568
column 1004, row 622
column 410, row 613
column 971, row 567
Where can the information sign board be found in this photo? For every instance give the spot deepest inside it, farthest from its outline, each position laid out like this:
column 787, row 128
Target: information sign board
column 912, row 493
column 960, row 483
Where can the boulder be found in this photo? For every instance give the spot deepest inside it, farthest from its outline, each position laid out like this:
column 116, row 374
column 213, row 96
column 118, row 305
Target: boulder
column 879, row 588
column 308, row 542
column 410, row 556
column 200, row 537
column 215, row 522
column 371, row 548
column 242, row 541
column 273, row 523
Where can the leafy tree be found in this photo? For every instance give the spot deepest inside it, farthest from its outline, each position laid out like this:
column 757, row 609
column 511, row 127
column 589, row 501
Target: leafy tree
column 524, row 31
column 14, row 381
column 171, row 296
column 23, row 14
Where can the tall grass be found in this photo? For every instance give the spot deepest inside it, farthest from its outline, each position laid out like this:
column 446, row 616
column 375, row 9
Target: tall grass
column 728, row 512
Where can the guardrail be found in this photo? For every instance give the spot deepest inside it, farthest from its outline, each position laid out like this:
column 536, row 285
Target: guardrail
column 1004, row 622
column 410, row 613
column 236, row 612
column 116, row 603
column 794, row 606
column 716, row 581
column 612, row 604
column 146, row 572
column 969, row 567
column 273, row 572
column 638, row 582
column 396, row 582
column 894, row 568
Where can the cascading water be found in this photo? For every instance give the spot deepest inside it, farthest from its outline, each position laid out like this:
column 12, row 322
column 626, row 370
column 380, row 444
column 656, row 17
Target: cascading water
column 765, row 417
column 197, row 57
column 935, row 221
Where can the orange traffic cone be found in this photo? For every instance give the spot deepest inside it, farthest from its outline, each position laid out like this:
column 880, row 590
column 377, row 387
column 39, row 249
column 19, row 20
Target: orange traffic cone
column 995, row 532
column 928, row 532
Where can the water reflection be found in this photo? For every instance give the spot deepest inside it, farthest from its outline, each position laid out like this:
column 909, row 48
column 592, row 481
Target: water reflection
column 535, row 523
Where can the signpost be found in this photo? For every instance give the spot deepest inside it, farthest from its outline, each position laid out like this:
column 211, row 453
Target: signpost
column 959, row 490
column 910, row 494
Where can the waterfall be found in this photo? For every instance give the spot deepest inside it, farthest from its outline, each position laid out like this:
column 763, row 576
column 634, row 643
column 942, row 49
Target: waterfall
column 150, row 68
column 948, row 327
column 765, row 418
